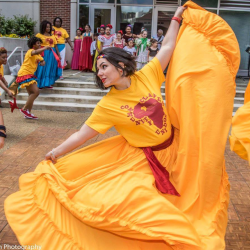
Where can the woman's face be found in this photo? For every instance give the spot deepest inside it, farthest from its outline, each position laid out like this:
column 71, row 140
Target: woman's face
column 144, row 34
column 48, row 28
column 78, row 33
column 58, row 23
column 108, row 73
column 87, row 29
column 128, row 30
column 3, row 58
column 102, row 31
column 107, row 31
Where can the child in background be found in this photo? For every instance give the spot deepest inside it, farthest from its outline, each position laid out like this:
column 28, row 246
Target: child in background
column 25, row 77
column 118, row 42
column 93, row 47
column 153, row 49
column 142, row 51
column 130, row 47
column 77, row 46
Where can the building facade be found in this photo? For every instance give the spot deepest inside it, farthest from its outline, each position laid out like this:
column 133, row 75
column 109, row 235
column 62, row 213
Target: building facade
column 151, row 14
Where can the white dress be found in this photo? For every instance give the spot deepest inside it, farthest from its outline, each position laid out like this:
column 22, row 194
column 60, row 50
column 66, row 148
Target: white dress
column 106, row 40
column 142, row 57
column 130, row 50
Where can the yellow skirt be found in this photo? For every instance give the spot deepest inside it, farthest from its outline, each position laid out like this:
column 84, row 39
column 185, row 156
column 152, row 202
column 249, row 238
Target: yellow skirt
column 103, row 197
column 240, row 134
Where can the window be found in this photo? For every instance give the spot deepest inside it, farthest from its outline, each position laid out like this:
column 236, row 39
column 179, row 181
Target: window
column 137, row 16
column 242, row 32
column 205, row 3
column 146, row 2
column 83, row 15
column 102, row 1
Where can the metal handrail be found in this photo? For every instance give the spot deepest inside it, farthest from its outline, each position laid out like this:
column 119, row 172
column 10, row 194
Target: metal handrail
column 14, row 52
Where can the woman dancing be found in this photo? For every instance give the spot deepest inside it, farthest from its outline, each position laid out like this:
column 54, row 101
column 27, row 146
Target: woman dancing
column 77, row 47
column 160, row 184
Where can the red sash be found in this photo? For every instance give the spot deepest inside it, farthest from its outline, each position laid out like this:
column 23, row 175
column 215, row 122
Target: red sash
column 160, row 173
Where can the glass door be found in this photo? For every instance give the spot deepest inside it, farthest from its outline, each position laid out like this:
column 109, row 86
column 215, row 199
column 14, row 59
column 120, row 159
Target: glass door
column 102, row 14
column 162, row 18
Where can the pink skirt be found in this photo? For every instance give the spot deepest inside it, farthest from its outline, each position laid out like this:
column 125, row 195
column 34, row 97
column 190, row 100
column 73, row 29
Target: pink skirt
column 76, row 54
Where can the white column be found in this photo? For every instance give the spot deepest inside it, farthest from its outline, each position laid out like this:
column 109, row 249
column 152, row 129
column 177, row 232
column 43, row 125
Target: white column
column 73, row 18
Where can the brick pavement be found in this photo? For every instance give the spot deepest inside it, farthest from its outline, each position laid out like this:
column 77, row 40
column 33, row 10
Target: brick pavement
column 23, row 156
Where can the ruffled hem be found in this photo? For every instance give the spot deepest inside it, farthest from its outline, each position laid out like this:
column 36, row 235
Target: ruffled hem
column 21, row 79
column 27, row 83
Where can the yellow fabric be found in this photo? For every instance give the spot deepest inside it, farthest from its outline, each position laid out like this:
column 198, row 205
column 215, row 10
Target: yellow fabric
column 240, row 133
column 24, row 85
column 140, row 107
column 60, row 34
column 47, row 40
column 1, row 71
column 30, row 64
column 247, row 93
column 103, row 196
column 98, row 45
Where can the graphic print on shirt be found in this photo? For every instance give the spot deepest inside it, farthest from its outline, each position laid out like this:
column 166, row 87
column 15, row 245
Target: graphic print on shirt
column 58, row 34
column 150, row 110
column 50, row 41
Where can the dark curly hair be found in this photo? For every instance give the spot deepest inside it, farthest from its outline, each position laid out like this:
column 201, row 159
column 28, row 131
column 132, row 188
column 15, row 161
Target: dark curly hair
column 3, row 51
column 43, row 26
column 33, row 40
column 54, row 22
column 114, row 56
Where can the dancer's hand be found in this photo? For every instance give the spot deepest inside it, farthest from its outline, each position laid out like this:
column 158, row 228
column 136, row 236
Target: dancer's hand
column 10, row 94
column 179, row 12
column 60, row 58
column 51, row 156
column 47, row 47
column 42, row 63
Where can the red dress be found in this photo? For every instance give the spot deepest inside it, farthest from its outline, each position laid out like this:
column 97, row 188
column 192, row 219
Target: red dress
column 85, row 59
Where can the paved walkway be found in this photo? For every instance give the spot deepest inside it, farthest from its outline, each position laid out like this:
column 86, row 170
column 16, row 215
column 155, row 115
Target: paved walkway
column 28, row 142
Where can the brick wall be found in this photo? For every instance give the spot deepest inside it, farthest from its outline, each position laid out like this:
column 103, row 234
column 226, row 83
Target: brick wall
column 49, row 9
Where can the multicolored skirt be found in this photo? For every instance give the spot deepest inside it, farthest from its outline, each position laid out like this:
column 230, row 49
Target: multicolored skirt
column 25, row 81
column 48, row 74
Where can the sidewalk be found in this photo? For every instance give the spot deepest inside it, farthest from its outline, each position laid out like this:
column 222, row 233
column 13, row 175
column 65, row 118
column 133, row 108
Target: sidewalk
column 29, row 141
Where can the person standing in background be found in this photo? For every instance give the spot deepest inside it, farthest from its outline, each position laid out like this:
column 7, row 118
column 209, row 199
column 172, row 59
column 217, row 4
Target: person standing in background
column 128, row 34
column 98, row 46
column 107, row 39
column 48, row 74
column 77, row 47
column 85, row 59
column 61, row 35
column 159, row 37
column 153, row 49
column 93, row 46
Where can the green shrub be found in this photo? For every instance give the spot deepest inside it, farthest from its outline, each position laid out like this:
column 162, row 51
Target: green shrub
column 23, row 25
column 6, row 25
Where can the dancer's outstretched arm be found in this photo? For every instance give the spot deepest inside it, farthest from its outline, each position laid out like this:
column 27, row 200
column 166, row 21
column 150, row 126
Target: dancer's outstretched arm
column 169, row 41
column 74, row 141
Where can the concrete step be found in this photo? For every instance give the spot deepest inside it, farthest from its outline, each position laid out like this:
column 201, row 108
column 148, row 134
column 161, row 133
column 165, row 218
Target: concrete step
column 72, row 91
column 55, row 106
column 43, row 97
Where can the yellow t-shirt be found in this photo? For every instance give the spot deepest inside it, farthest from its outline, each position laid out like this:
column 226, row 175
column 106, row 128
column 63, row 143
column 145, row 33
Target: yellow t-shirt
column 30, row 64
column 61, row 34
column 1, row 71
column 47, row 40
column 138, row 112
